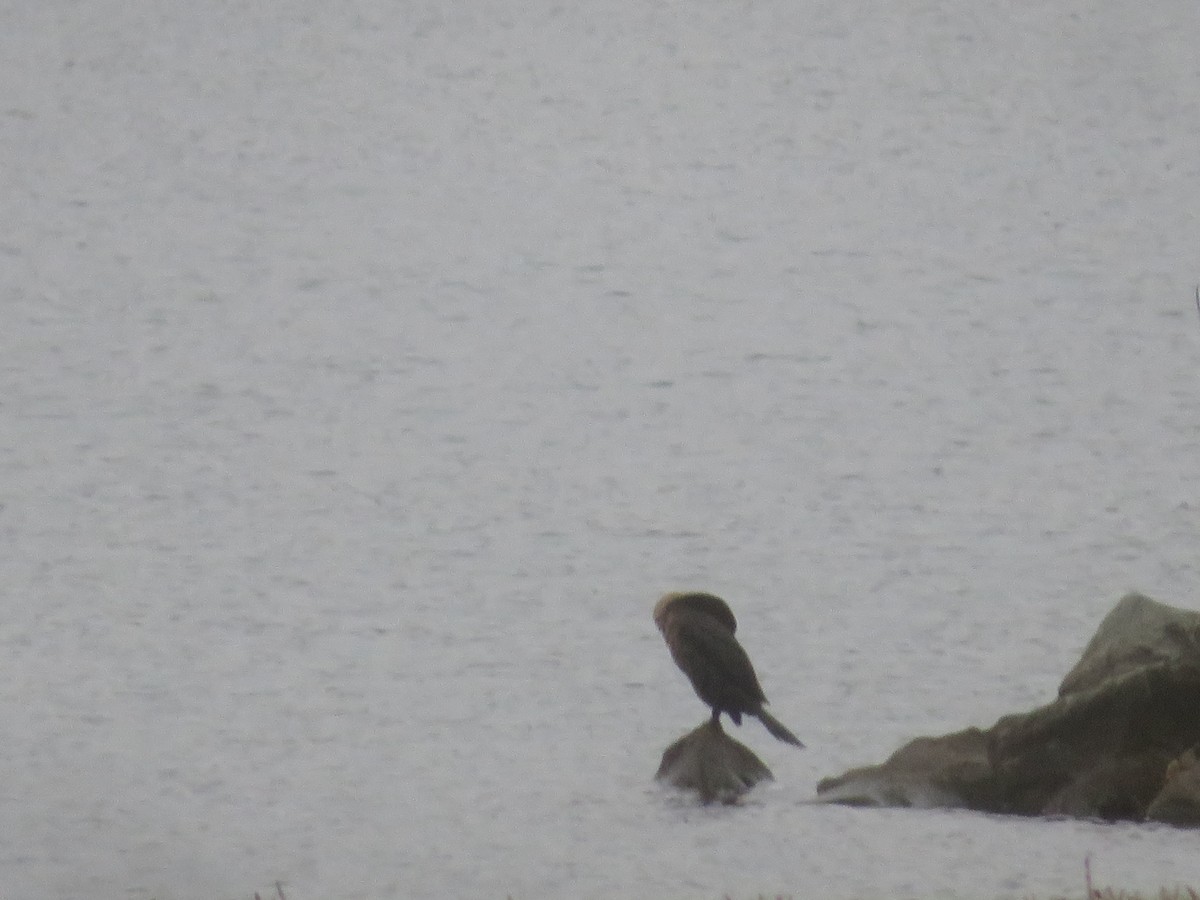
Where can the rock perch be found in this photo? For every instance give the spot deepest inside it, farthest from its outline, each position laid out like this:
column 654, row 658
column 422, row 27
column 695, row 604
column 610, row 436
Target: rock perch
column 711, row 763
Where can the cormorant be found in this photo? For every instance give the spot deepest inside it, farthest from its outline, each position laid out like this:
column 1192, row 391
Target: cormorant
column 699, row 630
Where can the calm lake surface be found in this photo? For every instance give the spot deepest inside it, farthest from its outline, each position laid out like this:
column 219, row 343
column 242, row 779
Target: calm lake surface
column 368, row 370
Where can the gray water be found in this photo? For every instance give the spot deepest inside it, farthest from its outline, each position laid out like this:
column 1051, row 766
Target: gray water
column 368, row 369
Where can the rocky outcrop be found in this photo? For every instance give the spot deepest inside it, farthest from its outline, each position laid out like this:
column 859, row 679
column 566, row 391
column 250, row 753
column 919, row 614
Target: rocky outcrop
column 1126, row 715
column 1138, row 632
column 711, row 763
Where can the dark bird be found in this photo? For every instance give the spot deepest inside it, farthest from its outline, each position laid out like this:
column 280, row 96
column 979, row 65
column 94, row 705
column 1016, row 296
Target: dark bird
column 699, row 629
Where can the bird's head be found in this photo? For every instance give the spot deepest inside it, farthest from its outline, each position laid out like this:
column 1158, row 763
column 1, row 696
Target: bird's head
column 694, row 601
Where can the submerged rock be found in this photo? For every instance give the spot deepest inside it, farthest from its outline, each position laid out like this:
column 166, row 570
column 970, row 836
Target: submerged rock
column 1128, row 708
column 711, row 763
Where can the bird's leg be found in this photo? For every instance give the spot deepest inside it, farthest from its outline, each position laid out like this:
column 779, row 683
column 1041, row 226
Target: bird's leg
column 716, row 719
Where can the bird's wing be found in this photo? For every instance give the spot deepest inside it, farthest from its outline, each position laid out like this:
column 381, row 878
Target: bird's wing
column 713, row 659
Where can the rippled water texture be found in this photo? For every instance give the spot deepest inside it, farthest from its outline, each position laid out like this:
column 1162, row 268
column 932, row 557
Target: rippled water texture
column 368, row 369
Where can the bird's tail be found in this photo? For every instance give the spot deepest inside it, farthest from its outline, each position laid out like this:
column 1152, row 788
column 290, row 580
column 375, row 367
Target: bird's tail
column 777, row 728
